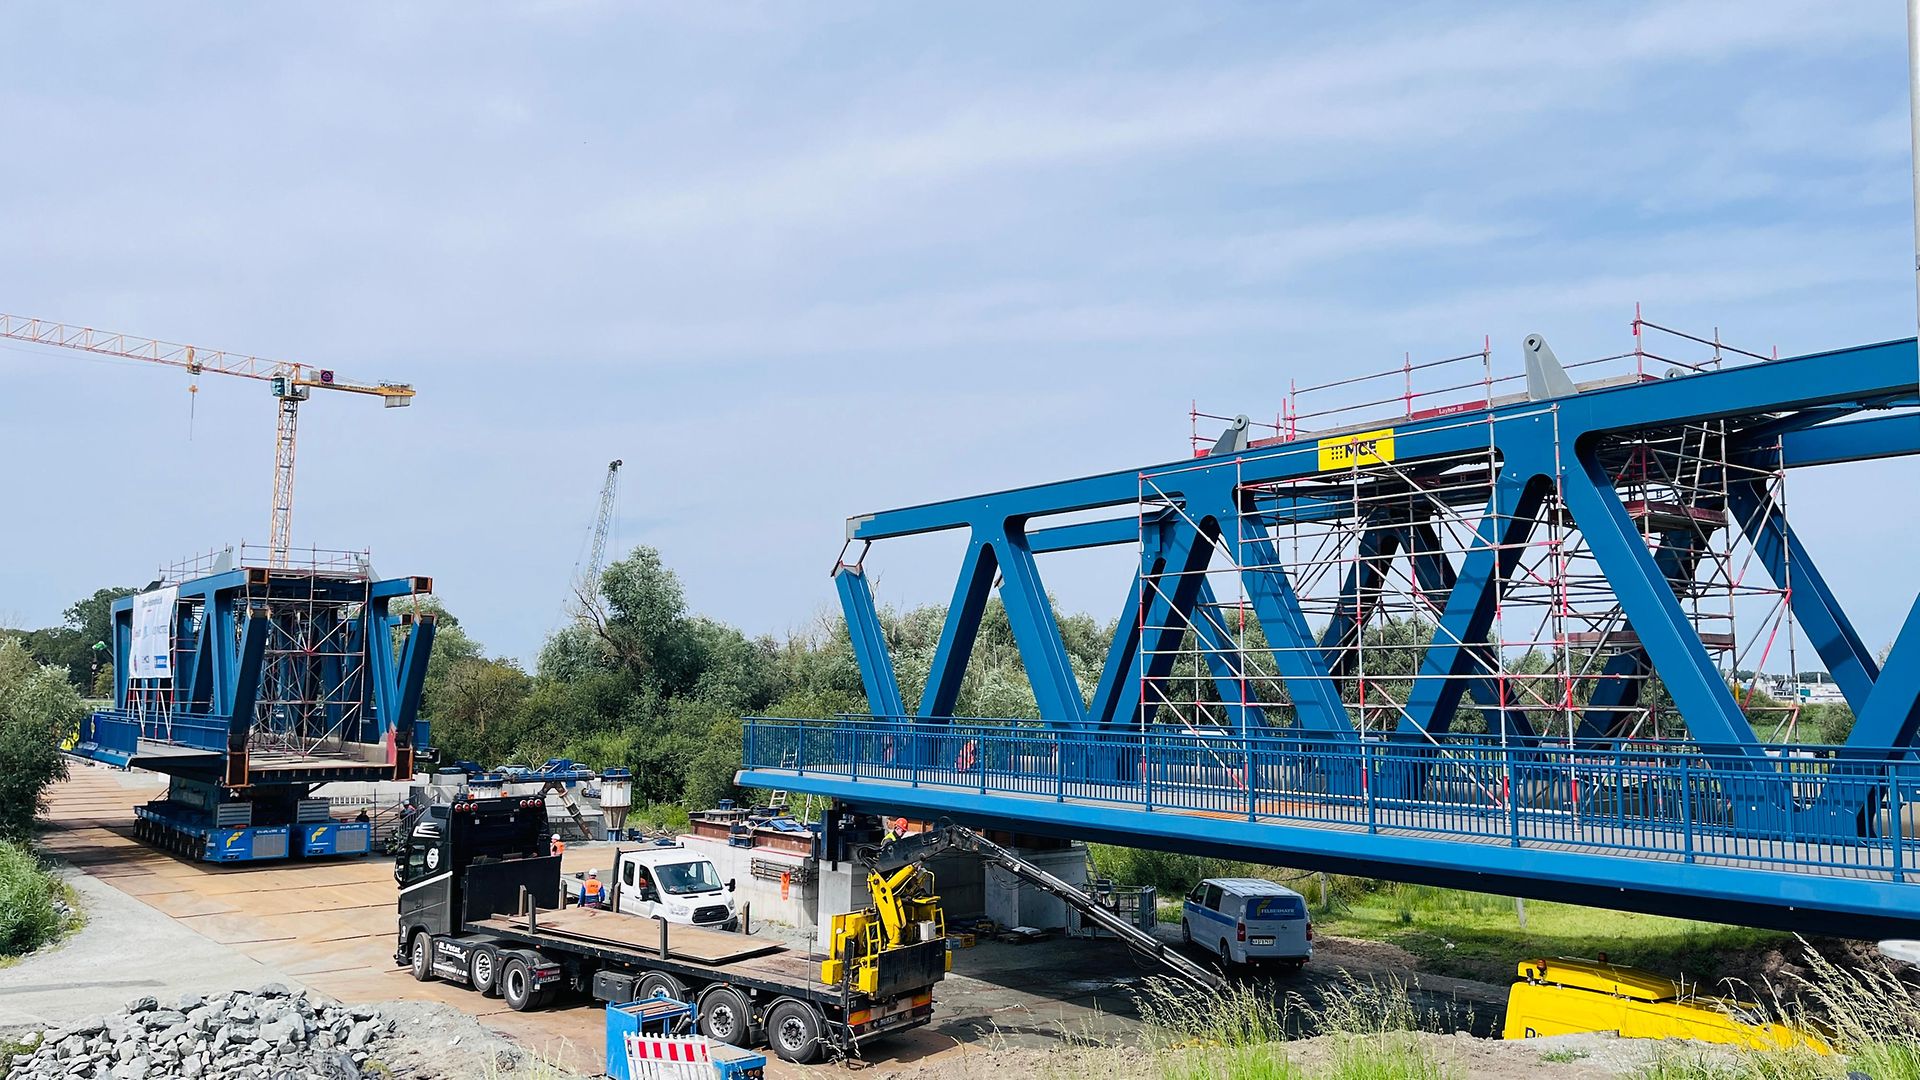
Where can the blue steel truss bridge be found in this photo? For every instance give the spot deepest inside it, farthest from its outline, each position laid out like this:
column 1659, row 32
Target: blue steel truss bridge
column 1492, row 631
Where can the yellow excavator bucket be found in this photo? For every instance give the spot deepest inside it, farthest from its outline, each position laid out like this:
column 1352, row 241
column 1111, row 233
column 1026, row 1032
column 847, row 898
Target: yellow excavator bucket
column 1565, row 997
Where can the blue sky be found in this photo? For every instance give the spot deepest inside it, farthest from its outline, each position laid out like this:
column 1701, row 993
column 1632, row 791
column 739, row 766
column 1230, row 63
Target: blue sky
column 798, row 261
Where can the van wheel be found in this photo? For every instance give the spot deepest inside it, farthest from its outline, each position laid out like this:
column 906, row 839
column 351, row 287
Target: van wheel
column 483, row 971
column 660, row 984
column 516, row 985
column 1226, row 955
column 1186, row 933
column 793, row 1030
column 421, row 956
column 723, row 1016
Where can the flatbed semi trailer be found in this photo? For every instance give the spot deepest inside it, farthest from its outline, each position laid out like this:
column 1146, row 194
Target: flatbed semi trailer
column 481, row 904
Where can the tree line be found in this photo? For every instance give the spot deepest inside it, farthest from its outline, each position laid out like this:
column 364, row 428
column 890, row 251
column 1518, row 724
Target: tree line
column 638, row 680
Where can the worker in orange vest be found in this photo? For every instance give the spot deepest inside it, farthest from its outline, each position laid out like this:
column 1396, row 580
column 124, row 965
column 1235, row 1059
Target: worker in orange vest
column 590, row 890
column 558, row 847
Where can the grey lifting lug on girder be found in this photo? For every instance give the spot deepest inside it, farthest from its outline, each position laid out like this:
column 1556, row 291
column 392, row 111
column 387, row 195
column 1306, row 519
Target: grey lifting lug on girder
column 1545, row 377
column 1234, row 439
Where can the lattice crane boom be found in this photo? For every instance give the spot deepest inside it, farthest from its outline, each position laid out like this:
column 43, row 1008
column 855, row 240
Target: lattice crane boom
column 291, row 382
column 602, row 524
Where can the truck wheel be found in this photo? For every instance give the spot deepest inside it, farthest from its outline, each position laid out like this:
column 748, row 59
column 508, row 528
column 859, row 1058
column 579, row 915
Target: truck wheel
column 516, row 985
column 723, row 1016
column 793, row 1031
column 660, row 984
column 483, row 971
column 421, row 956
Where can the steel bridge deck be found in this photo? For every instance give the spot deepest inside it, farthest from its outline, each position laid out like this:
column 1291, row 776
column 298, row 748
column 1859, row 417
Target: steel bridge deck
column 1677, row 851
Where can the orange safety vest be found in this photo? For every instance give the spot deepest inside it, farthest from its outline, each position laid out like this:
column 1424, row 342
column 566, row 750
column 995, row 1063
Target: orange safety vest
column 592, row 888
column 559, row 846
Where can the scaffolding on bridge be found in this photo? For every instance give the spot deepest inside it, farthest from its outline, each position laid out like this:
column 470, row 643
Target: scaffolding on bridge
column 1368, row 551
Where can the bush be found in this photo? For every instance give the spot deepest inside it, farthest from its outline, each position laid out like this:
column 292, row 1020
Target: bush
column 39, row 709
column 28, row 915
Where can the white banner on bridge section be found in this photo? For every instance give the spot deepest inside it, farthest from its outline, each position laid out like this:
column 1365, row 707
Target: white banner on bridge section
column 152, row 653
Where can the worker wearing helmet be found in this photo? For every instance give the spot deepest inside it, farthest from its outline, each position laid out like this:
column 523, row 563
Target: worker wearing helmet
column 590, row 895
column 895, row 831
column 558, row 846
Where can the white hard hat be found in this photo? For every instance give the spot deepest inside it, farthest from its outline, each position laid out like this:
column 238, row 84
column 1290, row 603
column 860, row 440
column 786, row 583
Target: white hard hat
column 593, row 873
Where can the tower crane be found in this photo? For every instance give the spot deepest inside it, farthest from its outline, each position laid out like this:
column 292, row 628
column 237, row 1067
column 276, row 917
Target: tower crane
column 291, row 384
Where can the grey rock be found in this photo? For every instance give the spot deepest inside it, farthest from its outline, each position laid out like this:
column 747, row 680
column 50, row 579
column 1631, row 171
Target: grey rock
column 163, row 1018
column 174, row 1033
column 363, row 1012
column 121, row 1028
column 272, row 989
column 241, row 1014
column 336, row 1065
column 285, row 1031
column 143, row 1003
column 361, row 1034
column 189, row 1002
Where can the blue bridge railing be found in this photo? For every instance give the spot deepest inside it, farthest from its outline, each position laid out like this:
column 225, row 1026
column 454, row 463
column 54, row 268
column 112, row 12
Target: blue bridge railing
column 1822, row 810
column 122, row 729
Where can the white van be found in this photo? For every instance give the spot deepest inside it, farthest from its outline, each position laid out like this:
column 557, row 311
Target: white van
column 1248, row 920
column 669, row 882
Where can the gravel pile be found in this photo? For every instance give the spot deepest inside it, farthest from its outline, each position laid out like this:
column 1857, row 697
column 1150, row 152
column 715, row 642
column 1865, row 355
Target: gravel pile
column 265, row 1034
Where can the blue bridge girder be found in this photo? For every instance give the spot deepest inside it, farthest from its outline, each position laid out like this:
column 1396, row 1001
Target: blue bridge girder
column 1551, row 465
column 246, row 641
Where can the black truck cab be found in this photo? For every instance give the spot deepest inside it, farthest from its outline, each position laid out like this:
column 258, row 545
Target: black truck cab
column 470, row 860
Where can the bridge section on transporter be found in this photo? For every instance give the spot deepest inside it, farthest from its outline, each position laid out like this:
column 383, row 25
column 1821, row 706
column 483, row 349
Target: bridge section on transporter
column 250, row 682
column 1497, row 632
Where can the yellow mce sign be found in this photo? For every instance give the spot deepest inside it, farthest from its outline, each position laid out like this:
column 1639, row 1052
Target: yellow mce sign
column 1360, row 448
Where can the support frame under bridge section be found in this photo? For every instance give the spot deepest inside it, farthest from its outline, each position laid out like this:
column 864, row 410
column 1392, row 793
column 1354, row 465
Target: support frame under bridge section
column 1477, row 616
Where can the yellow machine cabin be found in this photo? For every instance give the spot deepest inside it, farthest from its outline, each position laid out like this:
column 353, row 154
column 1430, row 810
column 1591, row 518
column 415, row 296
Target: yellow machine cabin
column 904, row 921
column 1565, row 997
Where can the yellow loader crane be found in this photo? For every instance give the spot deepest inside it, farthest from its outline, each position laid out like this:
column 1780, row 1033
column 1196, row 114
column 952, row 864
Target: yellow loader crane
column 905, row 913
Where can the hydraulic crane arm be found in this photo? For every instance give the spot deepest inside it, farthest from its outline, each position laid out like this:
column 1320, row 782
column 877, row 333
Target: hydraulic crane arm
column 918, row 847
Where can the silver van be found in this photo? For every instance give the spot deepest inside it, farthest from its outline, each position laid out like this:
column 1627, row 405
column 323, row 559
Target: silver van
column 1248, row 920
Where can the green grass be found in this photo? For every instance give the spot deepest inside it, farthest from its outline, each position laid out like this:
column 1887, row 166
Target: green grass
column 1396, row 1056
column 1470, row 935
column 1564, row 1057
column 1473, row 935
column 29, row 917
column 21, row 1047
column 1238, row 1063
column 665, row 817
column 1238, row 1033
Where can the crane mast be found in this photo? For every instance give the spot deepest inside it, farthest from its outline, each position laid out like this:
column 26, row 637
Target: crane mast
column 291, row 383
